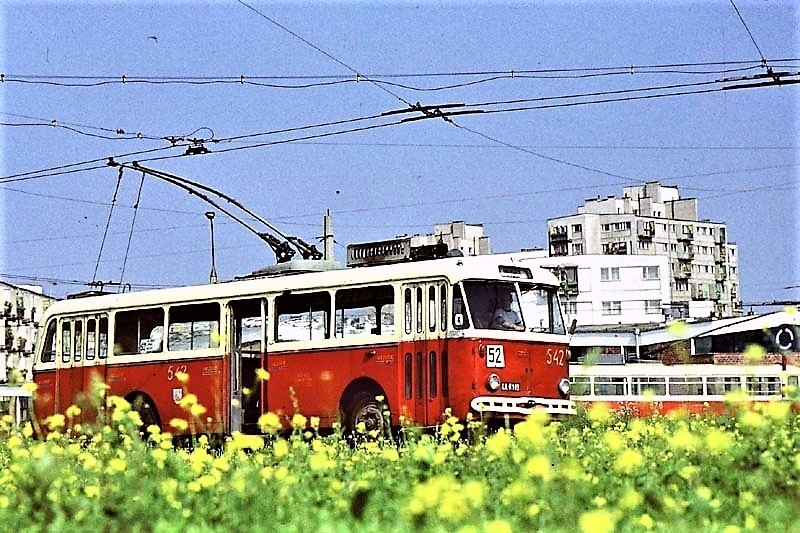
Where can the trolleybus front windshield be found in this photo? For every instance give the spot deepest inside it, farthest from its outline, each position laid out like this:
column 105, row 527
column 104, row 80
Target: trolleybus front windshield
column 514, row 305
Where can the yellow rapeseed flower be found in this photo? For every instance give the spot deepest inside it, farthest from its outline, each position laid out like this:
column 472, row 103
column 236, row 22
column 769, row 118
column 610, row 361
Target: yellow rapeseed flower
column 599, row 413
column 73, row 411
column 188, row 401
column 628, row 461
column 299, row 421
column 754, row 354
column 497, row 526
column 182, row 377
column 539, row 466
column 262, row 375
column 197, row 410
column 92, row 491
column 269, row 423
column 30, row 386
column 179, row 424
column 597, row 521
column 498, row 444
column 280, row 448
column 55, row 421
column 717, row 441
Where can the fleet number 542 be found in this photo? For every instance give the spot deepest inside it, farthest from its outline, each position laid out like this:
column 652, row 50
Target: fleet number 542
column 557, row 356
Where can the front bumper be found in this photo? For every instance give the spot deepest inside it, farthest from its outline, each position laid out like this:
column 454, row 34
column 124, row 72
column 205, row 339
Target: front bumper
column 523, row 406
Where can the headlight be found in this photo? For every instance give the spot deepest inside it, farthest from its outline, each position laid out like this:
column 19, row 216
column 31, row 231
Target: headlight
column 493, row 383
column 563, row 387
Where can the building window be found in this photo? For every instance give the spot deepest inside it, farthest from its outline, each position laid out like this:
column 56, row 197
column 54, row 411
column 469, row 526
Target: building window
column 577, row 249
column 650, row 272
column 609, row 274
column 612, row 308
column 577, row 228
column 652, row 307
column 644, row 245
column 570, row 308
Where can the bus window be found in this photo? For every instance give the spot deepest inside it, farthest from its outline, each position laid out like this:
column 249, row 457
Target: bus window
column 78, row 340
column 580, row 385
column 49, row 351
column 66, row 341
column 407, row 314
column 419, row 309
column 540, row 309
column 719, row 385
column 494, row 305
column 193, row 327
column 91, row 339
column 648, row 385
column 460, row 320
column 365, row 311
column 432, row 308
column 138, row 331
column 763, row 385
column 610, row 386
column 686, row 386
column 102, row 338
column 302, row 316
column 443, row 300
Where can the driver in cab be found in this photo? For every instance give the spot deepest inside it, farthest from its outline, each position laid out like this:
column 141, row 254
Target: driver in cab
column 504, row 316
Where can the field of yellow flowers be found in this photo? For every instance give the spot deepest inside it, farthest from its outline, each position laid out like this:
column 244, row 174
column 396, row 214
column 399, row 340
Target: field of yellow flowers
column 598, row 472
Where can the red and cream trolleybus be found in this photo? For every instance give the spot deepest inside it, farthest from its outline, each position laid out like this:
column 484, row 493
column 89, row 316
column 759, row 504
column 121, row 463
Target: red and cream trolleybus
column 473, row 334
column 648, row 388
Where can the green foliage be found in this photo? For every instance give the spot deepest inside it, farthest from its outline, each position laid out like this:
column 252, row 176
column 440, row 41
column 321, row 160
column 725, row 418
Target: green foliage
column 597, row 472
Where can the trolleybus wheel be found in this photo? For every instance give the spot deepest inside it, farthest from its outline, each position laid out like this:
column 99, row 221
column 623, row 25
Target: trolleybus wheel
column 147, row 412
column 365, row 409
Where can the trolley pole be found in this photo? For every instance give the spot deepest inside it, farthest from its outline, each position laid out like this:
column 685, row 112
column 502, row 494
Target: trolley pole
column 212, row 278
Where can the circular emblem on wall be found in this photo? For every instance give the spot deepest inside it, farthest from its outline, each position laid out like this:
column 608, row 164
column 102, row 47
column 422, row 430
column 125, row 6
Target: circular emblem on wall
column 785, row 337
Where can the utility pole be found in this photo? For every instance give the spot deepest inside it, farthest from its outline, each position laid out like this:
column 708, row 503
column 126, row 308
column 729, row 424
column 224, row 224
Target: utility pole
column 212, row 278
column 327, row 236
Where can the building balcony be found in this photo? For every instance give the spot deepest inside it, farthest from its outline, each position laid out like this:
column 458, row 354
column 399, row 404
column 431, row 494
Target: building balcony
column 559, row 236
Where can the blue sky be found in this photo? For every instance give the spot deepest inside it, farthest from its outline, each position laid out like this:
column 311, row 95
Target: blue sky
column 734, row 150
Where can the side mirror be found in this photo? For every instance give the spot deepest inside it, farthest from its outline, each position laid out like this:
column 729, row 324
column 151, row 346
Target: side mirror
column 573, row 326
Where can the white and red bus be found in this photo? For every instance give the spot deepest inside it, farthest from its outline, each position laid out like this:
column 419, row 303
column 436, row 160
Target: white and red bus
column 648, row 388
column 418, row 334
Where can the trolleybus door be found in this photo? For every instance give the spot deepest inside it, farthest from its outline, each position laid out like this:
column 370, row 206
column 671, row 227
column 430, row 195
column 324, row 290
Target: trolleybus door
column 95, row 352
column 247, row 351
column 69, row 368
column 424, row 344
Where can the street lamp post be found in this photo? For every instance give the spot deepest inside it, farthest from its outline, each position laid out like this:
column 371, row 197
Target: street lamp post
column 212, row 278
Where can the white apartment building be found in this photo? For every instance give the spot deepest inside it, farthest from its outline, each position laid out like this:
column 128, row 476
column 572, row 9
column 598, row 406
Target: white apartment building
column 653, row 220
column 21, row 308
column 605, row 290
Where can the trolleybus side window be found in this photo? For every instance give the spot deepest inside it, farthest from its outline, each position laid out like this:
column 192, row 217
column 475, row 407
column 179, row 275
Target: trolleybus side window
column 49, row 347
column 66, row 341
column 460, row 320
column 102, row 338
column 78, row 339
column 763, row 385
column 610, row 386
column 443, row 300
column 193, row 327
column 365, row 311
column 686, row 386
column 407, row 312
column 641, row 385
column 717, row 385
column 432, row 308
column 580, row 385
column 91, row 339
column 419, row 309
column 138, row 331
column 303, row 316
